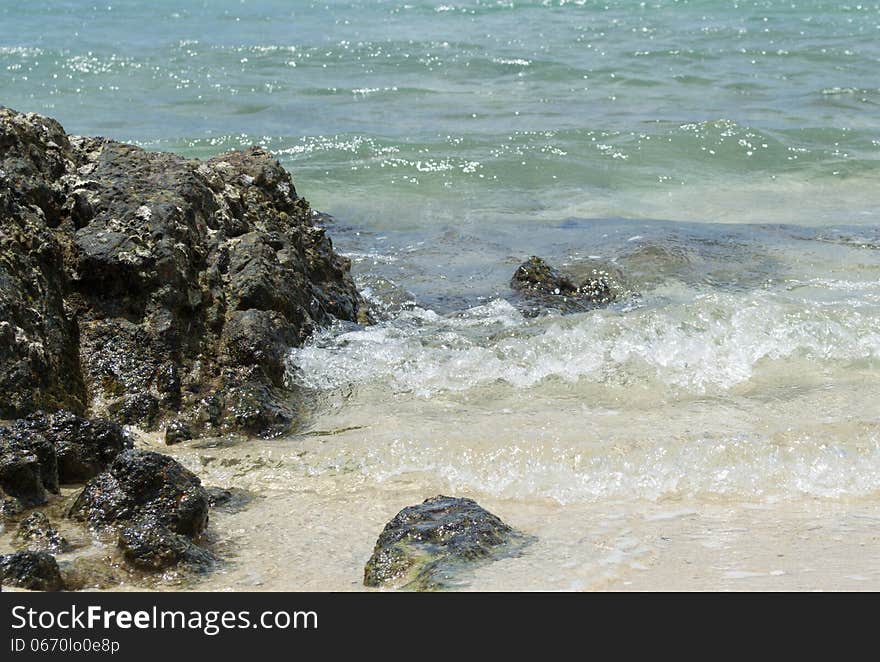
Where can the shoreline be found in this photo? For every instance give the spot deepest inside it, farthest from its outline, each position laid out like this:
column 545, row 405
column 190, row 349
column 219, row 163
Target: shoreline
column 177, row 298
column 327, row 525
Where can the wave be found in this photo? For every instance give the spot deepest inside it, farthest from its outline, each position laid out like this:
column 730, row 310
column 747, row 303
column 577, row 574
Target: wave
column 710, row 344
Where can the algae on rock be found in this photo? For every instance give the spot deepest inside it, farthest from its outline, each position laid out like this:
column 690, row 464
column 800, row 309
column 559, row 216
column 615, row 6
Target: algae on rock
column 424, row 546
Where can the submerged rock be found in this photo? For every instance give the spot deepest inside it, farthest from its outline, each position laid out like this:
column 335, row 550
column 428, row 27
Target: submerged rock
column 148, row 288
column 535, row 275
column 142, row 485
column 230, row 500
column 543, row 286
column 93, row 572
column 423, row 544
column 177, row 432
column 36, row 533
column 36, row 571
column 217, row 496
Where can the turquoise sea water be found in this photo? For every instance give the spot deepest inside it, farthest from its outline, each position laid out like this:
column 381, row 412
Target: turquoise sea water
column 724, row 156
column 511, row 108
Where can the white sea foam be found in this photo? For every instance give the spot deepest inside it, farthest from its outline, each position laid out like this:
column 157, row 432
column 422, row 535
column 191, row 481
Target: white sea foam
column 711, row 343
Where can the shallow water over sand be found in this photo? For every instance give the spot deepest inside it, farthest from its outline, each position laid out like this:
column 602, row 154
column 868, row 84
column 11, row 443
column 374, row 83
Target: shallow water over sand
column 315, row 532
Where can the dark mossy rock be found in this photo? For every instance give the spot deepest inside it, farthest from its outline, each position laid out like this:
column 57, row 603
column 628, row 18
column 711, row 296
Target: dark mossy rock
column 535, row 275
column 36, row 571
column 423, row 546
column 36, row 533
column 142, row 485
column 541, row 286
column 20, row 479
column 84, row 447
column 148, row 288
column 28, row 464
column 149, row 545
column 177, row 254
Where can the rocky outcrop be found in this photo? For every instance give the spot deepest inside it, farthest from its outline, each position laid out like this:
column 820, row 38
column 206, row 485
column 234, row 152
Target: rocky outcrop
column 423, row 546
column 143, row 288
column 151, row 289
column 541, row 286
column 39, row 345
column 36, row 571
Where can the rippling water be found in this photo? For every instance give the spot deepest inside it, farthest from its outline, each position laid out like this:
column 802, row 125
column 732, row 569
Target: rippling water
column 702, row 110
column 723, row 157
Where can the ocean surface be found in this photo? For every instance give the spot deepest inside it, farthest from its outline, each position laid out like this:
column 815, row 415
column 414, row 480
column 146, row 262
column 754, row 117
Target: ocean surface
column 724, row 157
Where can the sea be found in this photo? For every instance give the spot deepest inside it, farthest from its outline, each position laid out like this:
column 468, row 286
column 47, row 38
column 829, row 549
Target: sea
column 717, row 427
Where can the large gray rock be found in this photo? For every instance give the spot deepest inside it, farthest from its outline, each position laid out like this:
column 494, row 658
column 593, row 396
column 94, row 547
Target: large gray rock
column 147, row 288
column 425, row 545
